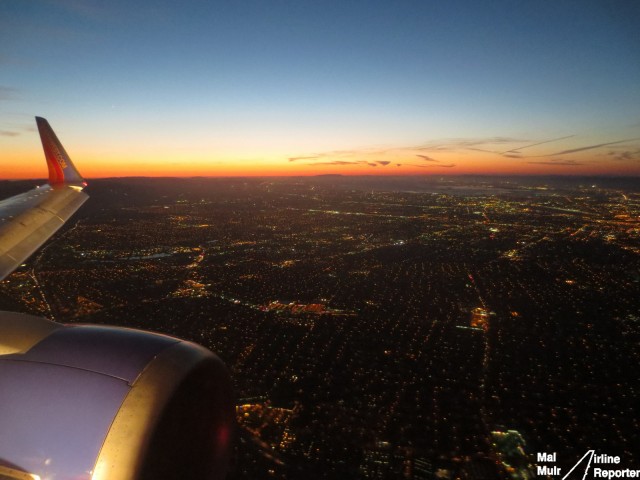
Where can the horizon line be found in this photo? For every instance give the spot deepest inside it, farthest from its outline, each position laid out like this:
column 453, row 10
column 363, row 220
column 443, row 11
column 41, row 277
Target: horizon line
column 431, row 175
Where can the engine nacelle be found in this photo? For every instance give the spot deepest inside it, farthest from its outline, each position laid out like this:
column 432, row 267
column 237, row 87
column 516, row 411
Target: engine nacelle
column 106, row 403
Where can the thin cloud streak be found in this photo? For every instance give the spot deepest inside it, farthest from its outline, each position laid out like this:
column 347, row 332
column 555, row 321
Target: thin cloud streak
column 469, row 144
column 426, row 158
column 475, row 149
column 334, row 162
column 567, row 163
column 368, row 157
column 451, row 165
column 536, row 144
column 8, row 93
column 590, row 147
column 626, row 155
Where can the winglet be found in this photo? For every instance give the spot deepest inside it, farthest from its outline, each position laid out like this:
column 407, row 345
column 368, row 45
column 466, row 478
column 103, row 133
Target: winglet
column 61, row 168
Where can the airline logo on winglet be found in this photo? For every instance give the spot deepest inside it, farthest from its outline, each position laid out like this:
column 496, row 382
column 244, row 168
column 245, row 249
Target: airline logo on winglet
column 61, row 169
column 60, row 160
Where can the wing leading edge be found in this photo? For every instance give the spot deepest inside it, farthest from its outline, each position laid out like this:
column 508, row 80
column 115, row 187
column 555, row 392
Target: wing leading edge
column 30, row 219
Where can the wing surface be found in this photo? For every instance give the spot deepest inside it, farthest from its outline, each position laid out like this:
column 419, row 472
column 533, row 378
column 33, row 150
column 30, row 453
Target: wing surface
column 31, row 218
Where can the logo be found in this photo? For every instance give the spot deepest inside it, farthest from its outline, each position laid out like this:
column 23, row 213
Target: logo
column 591, row 465
column 55, row 150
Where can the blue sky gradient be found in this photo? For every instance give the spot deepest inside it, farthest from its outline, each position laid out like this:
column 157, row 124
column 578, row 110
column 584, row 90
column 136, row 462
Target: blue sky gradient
column 257, row 82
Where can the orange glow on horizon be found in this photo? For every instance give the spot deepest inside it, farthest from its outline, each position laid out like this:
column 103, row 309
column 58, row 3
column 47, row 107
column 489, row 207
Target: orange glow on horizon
column 31, row 169
column 23, row 163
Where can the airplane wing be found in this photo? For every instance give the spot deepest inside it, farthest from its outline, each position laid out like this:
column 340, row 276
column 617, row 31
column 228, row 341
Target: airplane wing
column 31, row 218
column 94, row 402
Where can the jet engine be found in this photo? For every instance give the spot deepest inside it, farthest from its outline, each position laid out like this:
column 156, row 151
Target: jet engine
column 106, row 403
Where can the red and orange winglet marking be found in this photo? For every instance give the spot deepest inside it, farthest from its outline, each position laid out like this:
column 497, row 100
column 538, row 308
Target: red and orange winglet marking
column 61, row 169
column 56, row 174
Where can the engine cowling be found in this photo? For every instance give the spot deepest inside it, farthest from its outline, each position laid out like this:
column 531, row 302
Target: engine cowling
column 108, row 403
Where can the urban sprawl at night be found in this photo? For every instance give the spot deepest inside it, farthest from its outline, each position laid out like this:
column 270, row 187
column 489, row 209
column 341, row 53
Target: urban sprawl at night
column 375, row 328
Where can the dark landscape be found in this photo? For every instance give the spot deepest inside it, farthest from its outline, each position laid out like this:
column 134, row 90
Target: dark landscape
column 375, row 327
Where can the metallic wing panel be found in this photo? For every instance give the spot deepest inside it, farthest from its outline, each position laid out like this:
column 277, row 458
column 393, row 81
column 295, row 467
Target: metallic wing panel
column 29, row 222
column 29, row 219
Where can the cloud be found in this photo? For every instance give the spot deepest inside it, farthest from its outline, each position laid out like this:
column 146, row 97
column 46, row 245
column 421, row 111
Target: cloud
column 590, row 147
column 8, row 93
column 626, row 155
column 6, row 133
column 567, row 163
column 470, row 142
column 502, row 140
column 450, row 165
column 538, row 143
column 426, row 158
column 334, row 162
column 351, row 162
column 438, row 148
column 475, row 149
column 369, row 157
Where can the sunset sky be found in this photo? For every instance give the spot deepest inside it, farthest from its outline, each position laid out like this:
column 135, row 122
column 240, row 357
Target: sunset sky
column 302, row 88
